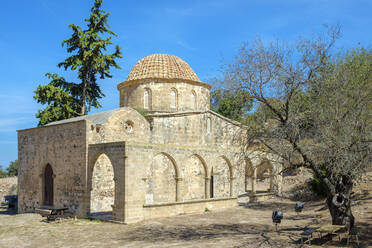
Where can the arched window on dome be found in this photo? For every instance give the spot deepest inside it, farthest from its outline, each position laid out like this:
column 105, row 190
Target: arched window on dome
column 173, row 100
column 147, row 99
column 125, row 100
column 193, row 99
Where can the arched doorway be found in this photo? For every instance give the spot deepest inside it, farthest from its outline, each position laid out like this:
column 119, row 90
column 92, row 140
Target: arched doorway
column 102, row 195
column 48, row 186
column 264, row 176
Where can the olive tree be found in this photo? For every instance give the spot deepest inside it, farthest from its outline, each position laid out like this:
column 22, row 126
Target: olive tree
column 317, row 109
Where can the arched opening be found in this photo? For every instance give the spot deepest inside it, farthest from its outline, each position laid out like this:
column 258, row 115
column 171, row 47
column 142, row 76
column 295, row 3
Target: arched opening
column 173, row 100
column 264, row 175
column 48, row 194
column 162, row 180
column 147, row 99
column 221, row 175
column 195, row 178
column 102, row 195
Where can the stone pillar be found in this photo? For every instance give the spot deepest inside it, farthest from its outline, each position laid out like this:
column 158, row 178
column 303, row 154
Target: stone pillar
column 231, row 186
column 178, row 194
column 207, row 188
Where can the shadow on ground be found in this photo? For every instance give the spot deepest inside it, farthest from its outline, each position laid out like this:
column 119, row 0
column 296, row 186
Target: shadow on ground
column 7, row 211
column 104, row 216
column 244, row 233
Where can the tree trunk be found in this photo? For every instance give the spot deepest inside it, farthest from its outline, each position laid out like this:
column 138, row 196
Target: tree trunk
column 83, row 98
column 339, row 206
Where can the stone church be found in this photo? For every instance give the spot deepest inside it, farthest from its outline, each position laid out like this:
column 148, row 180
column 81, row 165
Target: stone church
column 162, row 153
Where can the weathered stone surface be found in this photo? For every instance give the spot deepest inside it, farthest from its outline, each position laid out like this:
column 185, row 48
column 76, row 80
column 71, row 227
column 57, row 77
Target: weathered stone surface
column 103, row 186
column 173, row 160
column 8, row 186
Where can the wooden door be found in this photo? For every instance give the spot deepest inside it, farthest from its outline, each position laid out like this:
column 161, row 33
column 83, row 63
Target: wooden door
column 48, row 185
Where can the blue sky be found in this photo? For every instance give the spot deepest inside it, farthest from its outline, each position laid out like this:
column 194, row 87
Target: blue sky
column 205, row 33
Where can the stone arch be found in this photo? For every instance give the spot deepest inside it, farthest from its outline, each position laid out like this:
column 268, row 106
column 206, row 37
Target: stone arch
column 264, row 176
column 195, row 175
column 221, row 178
column 102, row 193
column 162, row 179
column 147, row 99
column 115, row 151
column 173, row 98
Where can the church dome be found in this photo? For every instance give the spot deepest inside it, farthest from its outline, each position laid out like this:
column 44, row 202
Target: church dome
column 162, row 66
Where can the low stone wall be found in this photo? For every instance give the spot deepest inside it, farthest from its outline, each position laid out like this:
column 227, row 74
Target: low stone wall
column 8, row 186
column 186, row 207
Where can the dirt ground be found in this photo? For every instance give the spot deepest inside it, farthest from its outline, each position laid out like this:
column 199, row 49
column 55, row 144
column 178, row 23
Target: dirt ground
column 244, row 226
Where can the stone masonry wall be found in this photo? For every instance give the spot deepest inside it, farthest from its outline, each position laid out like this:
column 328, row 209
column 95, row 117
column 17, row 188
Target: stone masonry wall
column 64, row 148
column 188, row 177
column 133, row 95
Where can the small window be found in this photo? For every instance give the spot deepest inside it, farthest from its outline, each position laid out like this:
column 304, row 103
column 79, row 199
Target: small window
column 128, row 126
column 173, row 102
column 147, row 99
column 209, row 125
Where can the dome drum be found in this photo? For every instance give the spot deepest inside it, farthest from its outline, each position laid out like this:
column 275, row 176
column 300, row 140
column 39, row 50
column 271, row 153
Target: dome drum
column 164, row 83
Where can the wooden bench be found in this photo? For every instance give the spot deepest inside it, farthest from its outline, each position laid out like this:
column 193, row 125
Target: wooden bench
column 52, row 213
column 308, row 234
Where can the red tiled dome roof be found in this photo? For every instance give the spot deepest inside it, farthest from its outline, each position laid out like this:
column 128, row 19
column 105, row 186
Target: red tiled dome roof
column 162, row 66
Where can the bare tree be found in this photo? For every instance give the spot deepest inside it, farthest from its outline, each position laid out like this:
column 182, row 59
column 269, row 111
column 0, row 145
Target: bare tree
column 317, row 109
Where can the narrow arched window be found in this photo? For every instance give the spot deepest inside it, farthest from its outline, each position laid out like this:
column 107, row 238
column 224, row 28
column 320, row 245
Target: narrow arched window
column 209, row 125
column 125, row 99
column 147, row 99
column 173, row 102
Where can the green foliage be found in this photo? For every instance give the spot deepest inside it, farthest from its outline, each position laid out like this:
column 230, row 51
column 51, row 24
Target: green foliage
column 233, row 105
column 89, row 59
column 69, row 99
column 12, row 170
column 317, row 185
column 2, row 173
column 95, row 220
column 142, row 112
column 62, row 103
